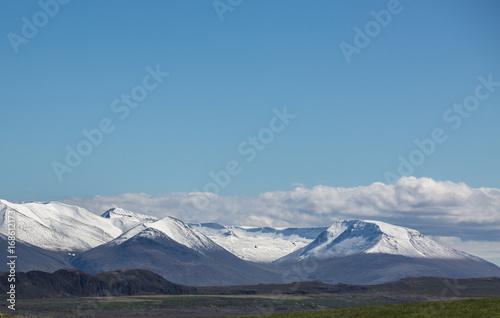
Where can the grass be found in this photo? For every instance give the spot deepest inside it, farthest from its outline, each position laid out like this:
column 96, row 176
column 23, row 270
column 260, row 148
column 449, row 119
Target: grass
column 346, row 306
column 469, row 308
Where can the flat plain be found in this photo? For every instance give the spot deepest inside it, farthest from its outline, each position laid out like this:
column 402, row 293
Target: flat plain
column 413, row 297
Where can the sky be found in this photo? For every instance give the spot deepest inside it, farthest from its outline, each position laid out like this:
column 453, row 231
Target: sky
column 243, row 98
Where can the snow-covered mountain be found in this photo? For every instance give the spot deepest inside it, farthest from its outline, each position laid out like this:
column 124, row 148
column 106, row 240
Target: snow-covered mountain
column 259, row 244
column 125, row 219
column 176, row 251
column 57, row 226
column 352, row 237
column 372, row 252
column 52, row 234
column 170, row 228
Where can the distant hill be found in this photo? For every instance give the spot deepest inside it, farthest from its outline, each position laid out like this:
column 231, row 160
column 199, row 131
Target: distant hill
column 440, row 287
column 129, row 282
column 75, row 283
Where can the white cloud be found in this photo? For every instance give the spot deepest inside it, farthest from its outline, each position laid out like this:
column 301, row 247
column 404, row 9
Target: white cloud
column 483, row 249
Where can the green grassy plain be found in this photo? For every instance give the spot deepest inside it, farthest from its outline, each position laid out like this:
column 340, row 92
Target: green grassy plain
column 468, row 308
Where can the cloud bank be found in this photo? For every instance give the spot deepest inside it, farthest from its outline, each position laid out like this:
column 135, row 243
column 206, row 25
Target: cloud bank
column 438, row 208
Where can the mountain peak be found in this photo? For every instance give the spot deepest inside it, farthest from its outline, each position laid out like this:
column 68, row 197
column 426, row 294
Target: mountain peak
column 171, row 228
column 351, row 237
column 118, row 213
column 125, row 219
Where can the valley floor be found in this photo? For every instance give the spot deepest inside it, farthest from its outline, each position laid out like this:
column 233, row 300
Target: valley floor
column 217, row 305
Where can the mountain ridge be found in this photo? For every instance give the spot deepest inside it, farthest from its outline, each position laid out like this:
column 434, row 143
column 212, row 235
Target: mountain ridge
column 259, row 244
column 58, row 226
column 52, row 235
column 125, row 219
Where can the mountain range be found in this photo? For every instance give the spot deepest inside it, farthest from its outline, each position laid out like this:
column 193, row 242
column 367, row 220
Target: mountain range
column 53, row 235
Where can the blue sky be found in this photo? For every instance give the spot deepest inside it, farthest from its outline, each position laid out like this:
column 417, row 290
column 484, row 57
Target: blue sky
column 226, row 80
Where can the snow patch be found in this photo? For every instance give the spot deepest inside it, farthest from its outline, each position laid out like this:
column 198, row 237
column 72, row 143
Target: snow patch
column 258, row 244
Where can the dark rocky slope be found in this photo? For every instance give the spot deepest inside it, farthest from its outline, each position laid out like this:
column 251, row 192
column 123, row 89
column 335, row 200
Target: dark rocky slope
column 75, row 283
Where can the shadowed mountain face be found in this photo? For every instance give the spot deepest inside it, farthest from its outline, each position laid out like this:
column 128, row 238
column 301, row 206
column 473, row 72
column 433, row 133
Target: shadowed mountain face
column 368, row 269
column 179, row 264
column 174, row 261
column 30, row 257
column 75, row 283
